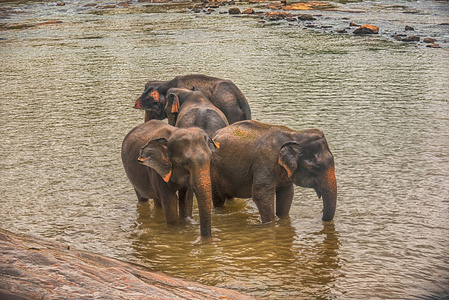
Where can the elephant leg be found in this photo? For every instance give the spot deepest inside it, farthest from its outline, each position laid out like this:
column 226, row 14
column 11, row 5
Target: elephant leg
column 167, row 197
column 140, row 198
column 185, row 202
column 284, row 198
column 264, row 199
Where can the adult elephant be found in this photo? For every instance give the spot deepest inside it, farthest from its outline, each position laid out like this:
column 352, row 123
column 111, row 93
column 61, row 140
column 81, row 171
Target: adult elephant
column 160, row 159
column 222, row 93
column 260, row 161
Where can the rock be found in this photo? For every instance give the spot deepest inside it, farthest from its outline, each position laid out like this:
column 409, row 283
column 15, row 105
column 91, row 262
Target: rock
column 37, row 269
column 433, row 46
column 109, row 6
column 340, row 31
column 352, row 24
column 234, row 11
column 409, row 28
column 305, row 17
column 275, row 16
column 60, row 4
column 429, row 40
column 367, row 29
column 248, row 11
column 291, row 19
column 411, row 38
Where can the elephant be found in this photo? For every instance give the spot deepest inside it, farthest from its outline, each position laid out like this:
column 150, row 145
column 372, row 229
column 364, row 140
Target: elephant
column 160, row 159
column 186, row 108
column 257, row 160
column 222, row 93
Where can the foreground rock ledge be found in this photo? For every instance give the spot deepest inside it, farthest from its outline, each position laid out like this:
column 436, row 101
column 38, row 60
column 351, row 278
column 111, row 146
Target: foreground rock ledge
column 36, row 269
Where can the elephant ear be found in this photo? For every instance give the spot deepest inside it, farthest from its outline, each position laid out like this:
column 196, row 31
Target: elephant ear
column 212, row 145
column 173, row 101
column 289, row 156
column 156, row 155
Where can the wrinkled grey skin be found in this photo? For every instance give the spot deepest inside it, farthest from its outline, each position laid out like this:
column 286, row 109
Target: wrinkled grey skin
column 261, row 161
column 186, row 108
column 222, row 93
column 160, row 159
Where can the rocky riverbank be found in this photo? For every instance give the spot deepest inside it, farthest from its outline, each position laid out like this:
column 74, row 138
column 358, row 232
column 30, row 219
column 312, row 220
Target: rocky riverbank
column 35, row 269
column 312, row 15
column 280, row 11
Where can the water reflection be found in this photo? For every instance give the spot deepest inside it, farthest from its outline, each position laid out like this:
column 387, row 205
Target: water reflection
column 268, row 260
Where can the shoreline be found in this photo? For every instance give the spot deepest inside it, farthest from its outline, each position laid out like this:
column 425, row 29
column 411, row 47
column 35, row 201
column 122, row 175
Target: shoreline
column 31, row 268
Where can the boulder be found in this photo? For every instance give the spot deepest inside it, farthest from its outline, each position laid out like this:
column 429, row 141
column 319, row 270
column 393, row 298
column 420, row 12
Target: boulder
column 429, row 41
column 234, row 11
column 411, row 38
column 306, row 17
column 35, row 269
column 367, row 29
column 248, row 11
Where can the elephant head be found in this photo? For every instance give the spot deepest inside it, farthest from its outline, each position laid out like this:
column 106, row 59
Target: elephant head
column 310, row 163
column 152, row 101
column 184, row 159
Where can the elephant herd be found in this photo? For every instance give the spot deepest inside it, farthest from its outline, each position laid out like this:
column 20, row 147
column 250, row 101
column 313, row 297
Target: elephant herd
column 211, row 148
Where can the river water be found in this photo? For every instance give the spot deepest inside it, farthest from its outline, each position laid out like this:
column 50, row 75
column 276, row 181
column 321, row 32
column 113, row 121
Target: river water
column 67, row 91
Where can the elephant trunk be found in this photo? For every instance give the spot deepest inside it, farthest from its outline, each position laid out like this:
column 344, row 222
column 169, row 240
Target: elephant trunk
column 327, row 187
column 203, row 191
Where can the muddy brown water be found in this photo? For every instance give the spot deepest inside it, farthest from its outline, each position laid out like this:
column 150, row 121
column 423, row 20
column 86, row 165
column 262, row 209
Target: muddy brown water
column 67, row 91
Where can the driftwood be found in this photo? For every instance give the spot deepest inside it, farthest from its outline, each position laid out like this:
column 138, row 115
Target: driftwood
column 36, row 269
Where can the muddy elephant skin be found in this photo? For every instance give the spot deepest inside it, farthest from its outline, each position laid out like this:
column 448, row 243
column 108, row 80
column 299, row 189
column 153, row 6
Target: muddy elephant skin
column 261, row 161
column 222, row 93
column 160, row 159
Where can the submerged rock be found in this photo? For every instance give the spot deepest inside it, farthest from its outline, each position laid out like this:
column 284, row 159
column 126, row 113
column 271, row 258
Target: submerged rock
column 367, row 29
column 234, row 11
column 411, row 38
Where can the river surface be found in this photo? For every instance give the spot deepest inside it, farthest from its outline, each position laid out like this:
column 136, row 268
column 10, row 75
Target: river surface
column 67, row 91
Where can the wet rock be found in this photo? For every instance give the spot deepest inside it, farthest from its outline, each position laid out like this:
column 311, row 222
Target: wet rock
column 234, row 11
column 326, row 26
column 411, row 38
column 90, row 5
column 109, row 6
column 341, row 31
column 291, row 19
column 409, row 28
column 60, row 4
column 306, row 17
column 352, row 24
column 429, row 41
column 275, row 16
column 444, row 24
column 433, row 46
column 37, row 269
column 367, row 29
column 248, row 11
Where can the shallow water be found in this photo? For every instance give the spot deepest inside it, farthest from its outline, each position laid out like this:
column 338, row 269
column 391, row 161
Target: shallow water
column 67, row 94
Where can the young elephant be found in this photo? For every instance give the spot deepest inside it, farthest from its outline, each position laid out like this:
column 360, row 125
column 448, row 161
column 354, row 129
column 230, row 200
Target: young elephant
column 222, row 93
column 160, row 159
column 186, row 108
column 260, row 161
